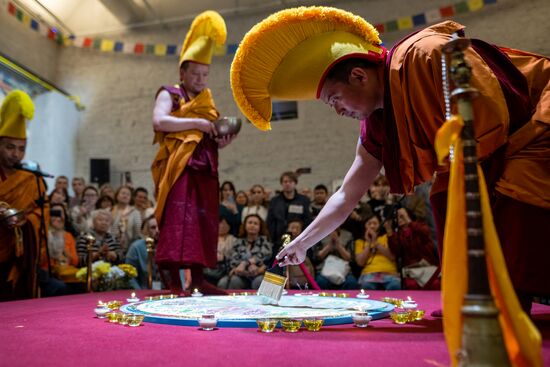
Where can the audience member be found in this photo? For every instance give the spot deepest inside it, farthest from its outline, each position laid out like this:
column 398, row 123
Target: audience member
column 373, row 255
column 107, row 190
column 333, row 256
column 228, row 207
column 61, row 245
column 81, row 214
column 226, row 243
column 412, row 245
column 105, row 202
column 320, row 197
column 379, row 193
column 256, row 203
column 78, row 185
column 250, row 256
column 297, row 278
column 126, row 218
column 137, row 253
column 285, row 206
column 106, row 247
column 241, row 199
column 141, row 201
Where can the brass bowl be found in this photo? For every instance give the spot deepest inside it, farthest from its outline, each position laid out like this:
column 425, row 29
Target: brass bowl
column 291, row 325
column 134, row 320
column 266, row 325
column 12, row 214
column 313, row 324
column 228, row 126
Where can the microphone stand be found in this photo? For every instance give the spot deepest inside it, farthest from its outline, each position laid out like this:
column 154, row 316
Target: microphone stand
column 42, row 235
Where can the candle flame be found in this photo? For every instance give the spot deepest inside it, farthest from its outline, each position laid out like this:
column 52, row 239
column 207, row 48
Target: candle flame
column 195, row 290
column 362, row 291
column 133, row 295
column 409, row 298
column 100, row 303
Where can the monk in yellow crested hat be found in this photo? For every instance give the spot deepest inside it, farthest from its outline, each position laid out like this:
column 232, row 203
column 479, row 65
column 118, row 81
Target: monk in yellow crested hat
column 398, row 97
column 185, row 170
column 21, row 245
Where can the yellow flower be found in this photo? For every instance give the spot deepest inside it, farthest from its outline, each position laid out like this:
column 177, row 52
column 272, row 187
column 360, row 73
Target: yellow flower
column 129, row 270
column 103, row 269
column 81, row 274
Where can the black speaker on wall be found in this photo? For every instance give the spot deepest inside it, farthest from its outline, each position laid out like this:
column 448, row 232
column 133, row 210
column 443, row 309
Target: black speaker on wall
column 99, row 171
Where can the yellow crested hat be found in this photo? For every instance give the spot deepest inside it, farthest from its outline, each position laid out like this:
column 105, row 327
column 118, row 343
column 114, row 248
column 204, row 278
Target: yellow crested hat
column 287, row 55
column 207, row 31
column 16, row 108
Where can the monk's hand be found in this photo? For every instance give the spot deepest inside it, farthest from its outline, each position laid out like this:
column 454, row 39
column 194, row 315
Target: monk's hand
column 293, row 254
column 207, row 127
column 225, row 140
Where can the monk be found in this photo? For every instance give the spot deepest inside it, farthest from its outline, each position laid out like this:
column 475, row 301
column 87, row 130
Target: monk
column 397, row 96
column 185, row 170
column 20, row 239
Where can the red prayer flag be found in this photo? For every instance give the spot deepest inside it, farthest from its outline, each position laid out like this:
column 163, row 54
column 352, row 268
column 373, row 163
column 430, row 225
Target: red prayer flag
column 87, row 42
column 11, row 8
column 51, row 34
column 138, row 49
column 447, row 11
column 379, row 28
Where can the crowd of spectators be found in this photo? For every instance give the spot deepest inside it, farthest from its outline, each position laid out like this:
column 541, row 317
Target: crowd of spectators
column 387, row 242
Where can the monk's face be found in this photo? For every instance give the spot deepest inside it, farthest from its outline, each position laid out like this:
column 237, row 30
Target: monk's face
column 12, row 152
column 195, row 77
column 358, row 98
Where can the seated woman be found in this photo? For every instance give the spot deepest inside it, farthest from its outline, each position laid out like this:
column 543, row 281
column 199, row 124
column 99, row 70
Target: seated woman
column 81, row 213
column 229, row 208
column 256, row 203
column 251, row 253
column 126, row 218
column 226, row 242
column 375, row 257
column 413, row 247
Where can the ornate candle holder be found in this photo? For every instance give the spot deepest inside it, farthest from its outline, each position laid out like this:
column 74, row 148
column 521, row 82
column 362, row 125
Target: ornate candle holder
column 112, row 316
column 132, row 299
column 313, row 324
column 400, row 315
column 291, row 325
column 134, row 320
column 266, row 325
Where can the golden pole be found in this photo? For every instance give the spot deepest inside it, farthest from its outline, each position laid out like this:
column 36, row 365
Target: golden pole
column 90, row 240
column 150, row 244
column 482, row 340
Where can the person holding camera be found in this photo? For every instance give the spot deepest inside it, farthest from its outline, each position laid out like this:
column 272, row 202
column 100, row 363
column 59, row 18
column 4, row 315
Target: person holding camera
column 61, row 244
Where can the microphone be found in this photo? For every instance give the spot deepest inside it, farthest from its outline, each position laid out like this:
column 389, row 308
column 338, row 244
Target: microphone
column 32, row 167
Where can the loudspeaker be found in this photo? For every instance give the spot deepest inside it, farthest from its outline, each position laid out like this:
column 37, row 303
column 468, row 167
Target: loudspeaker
column 99, row 171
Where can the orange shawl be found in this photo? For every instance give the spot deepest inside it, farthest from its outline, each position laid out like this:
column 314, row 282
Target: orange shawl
column 177, row 147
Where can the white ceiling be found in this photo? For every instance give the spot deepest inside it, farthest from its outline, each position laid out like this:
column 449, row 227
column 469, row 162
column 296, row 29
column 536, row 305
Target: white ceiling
column 95, row 17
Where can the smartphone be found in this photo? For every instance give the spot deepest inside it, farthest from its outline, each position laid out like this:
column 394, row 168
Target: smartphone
column 56, row 213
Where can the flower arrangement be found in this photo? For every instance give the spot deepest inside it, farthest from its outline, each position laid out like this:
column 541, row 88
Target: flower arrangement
column 107, row 277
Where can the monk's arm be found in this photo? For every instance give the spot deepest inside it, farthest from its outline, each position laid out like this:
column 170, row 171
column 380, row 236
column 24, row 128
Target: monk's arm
column 165, row 122
column 358, row 179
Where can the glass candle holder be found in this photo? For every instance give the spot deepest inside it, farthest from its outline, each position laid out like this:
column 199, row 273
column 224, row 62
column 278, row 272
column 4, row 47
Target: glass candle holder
column 134, row 320
column 122, row 319
column 416, row 315
column 361, row 319
column 291, row 325
column 112, row 317
column 313, row 324
column 400, row 315
column 208, row 322
column 266, row 325
column 114, row 305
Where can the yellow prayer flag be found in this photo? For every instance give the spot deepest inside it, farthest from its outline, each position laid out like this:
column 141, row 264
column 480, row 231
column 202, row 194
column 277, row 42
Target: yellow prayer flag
column 405, row 23
column 160, row 49
column 107, row 45
column 474, row 5
column 26, row 20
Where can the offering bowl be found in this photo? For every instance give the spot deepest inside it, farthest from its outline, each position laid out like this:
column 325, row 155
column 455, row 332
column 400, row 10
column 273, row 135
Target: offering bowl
column 227, row 126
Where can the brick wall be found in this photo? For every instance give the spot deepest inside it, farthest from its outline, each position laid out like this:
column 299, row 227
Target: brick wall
column 118, row 91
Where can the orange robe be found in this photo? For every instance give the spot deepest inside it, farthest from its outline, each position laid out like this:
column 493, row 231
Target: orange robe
column 20, row 191
column 177, row 147
column 512, row 130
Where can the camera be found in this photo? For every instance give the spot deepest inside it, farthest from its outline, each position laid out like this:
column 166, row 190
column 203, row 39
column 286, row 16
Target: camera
column 56, row 213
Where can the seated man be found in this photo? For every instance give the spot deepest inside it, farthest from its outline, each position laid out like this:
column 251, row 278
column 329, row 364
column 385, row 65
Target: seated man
column 137, row 253
column 105, row 247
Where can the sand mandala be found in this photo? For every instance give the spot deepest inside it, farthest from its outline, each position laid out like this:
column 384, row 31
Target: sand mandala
column 243, row 311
